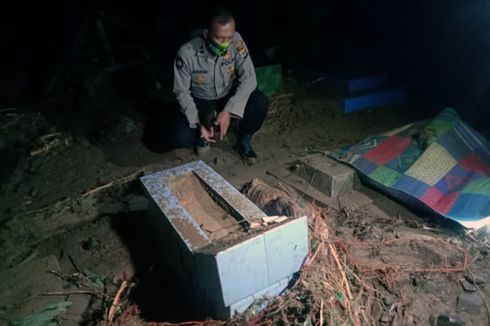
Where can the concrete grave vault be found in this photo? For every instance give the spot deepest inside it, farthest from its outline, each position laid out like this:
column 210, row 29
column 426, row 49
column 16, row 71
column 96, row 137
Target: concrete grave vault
column 202, row 226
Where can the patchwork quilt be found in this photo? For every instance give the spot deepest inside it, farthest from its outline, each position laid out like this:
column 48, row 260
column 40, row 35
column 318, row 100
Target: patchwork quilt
column 442, row 164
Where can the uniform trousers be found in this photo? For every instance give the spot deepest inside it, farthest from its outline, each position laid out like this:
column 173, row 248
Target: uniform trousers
column 181, row 135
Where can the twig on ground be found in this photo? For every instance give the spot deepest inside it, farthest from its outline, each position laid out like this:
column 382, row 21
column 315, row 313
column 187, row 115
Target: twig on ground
column 342, row 271
column 112, row 183
column 46, row 148
column 34, row 211
column 43, row 139
column 75, row 265
column 67, row 293
column 312, row 257
column 97, row 294
column 361, row 282
column 321, row 313
column 8, row 110
column 115, row 303
column 437, row 270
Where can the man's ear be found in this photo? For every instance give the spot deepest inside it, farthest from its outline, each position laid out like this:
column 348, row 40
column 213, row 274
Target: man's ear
column 205, row 32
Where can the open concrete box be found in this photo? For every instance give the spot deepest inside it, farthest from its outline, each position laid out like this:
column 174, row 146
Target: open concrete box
column 202, row 225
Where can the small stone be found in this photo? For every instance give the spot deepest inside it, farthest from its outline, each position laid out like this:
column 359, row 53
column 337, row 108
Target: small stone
column 447, row 320
column 470, row 302
column 388, row 300
column 467, row 286
column 474, row 279
column 386, row 318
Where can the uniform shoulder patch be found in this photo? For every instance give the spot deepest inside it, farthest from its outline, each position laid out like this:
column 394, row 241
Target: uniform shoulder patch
column 241, row 49
column 179, row 63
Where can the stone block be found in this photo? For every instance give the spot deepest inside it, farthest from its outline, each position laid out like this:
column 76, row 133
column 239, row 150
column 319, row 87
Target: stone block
column 325, row 174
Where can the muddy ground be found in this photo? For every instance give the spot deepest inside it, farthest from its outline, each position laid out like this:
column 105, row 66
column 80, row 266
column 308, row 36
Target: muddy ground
column 72, row 212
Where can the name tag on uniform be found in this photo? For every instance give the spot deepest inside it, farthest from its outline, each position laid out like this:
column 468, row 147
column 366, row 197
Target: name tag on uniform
column 199, row 79
column 199, row 71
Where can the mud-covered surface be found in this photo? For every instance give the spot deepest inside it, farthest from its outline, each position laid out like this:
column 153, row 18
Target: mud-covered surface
column 72, row 215
column 211, row 217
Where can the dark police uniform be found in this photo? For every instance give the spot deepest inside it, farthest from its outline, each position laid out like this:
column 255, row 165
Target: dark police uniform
column 205, row 83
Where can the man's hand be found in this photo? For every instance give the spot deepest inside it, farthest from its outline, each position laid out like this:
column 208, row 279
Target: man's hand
column 207, row 134
column 223, row 121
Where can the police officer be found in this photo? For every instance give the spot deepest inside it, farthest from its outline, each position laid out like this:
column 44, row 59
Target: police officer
column 214, row 81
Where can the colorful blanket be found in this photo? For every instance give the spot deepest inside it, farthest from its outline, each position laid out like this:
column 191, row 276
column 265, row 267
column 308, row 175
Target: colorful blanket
column 442, row 164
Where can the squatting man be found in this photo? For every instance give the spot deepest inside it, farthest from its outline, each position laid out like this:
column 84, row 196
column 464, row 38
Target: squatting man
column 216, row 87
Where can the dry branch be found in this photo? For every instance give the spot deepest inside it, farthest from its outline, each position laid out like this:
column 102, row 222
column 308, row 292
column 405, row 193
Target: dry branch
column 342, row 271
column 117, row 300
column 113, row 183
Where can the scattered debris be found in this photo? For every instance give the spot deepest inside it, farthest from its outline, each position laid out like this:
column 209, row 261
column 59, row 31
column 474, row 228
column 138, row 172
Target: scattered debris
column 49, row 315
column 397, row 271
column 51, row 144
column 273, row 219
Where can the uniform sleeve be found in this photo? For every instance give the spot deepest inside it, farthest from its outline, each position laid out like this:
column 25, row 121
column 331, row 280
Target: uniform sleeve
column 247, row 82
column 182, row 88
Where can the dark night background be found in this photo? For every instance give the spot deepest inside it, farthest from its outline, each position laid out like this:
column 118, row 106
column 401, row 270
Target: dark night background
column 439, row 49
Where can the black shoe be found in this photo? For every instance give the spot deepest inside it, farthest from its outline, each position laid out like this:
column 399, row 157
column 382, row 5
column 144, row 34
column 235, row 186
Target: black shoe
column 244, row 147
column 202, row 146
